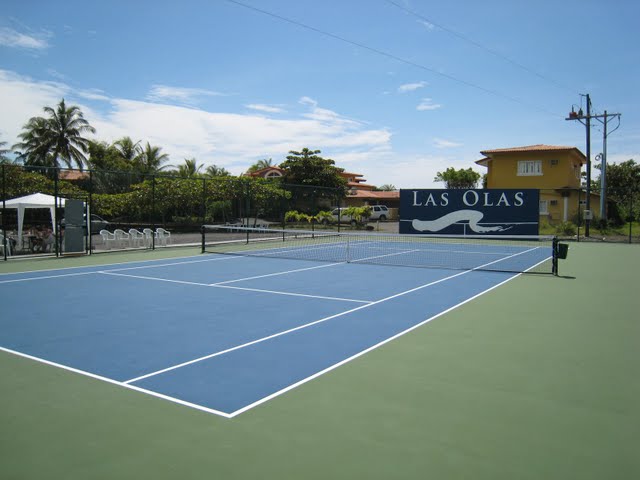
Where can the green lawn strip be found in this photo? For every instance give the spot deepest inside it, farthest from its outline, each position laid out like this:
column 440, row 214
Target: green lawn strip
column 535, row 379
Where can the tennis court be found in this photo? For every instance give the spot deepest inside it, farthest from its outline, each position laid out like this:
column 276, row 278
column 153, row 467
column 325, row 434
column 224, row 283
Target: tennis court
column 534, row 379
column 224, row 333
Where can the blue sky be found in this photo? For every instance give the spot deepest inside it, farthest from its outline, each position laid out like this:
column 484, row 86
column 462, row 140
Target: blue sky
column 395, row 90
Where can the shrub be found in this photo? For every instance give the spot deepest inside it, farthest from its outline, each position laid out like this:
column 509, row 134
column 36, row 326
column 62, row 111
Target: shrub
column 566, row 229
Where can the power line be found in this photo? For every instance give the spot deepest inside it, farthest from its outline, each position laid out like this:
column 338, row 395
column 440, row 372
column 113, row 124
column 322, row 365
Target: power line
column 482, row 47
column 391, row 56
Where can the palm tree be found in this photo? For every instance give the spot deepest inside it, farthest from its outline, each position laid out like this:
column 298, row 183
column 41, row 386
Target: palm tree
column 46, row 141
column 150, row 160
column 67, row 124
column 215, row 171
column 35, row 147
column 189, row 168
column 260, row 164
column 3, row 154
column 387, row 187
column 128, row 150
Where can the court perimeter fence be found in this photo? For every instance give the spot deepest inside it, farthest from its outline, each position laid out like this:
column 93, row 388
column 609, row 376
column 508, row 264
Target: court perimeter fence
column 563, row 213
column 131, row 202
column 145, row 203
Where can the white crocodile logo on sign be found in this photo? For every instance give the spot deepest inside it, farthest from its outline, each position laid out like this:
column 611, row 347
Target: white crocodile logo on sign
column 471, row 216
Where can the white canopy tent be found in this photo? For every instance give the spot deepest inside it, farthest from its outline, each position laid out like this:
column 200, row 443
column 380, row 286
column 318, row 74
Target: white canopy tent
column 35, row 200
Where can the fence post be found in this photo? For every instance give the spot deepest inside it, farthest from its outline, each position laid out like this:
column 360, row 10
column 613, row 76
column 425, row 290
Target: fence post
column 630, row 218
column 4, row 212
column 153, row 211
column 89, row 210
column 204, row 201
column 56, row 202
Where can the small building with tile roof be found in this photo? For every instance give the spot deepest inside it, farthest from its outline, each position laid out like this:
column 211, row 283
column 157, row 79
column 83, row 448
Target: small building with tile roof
column 554, row 170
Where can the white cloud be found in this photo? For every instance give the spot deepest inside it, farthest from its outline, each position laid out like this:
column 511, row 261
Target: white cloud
column 92, row 94
column 308, row 101
column 411, row 87
column 442, row 143
column 188, row 96
column 24, row 98
column 230, row 140
column 265, row 108
column 12, row 38
column 427, row 104
column 427, row 25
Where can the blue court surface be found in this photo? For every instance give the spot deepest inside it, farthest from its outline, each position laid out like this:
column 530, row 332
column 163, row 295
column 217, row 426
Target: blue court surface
column 222, row 333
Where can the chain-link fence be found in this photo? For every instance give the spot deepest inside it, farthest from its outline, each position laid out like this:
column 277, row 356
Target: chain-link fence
column 130, row 210
column 572, row 214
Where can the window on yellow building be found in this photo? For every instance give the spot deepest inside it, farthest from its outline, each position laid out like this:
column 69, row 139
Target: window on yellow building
column 529, row 167
column 544, row 207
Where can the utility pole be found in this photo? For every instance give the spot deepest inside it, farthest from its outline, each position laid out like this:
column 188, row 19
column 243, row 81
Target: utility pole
column 603, row 174
column 580, row 116
column 573, row 115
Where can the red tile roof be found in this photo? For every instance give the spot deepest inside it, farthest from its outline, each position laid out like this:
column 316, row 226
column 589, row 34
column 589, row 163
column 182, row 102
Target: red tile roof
column 489, row 154
column 380, row 195
column 529, row 148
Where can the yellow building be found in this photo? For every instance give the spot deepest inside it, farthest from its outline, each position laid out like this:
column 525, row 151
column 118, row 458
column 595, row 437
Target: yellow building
column 554, row 170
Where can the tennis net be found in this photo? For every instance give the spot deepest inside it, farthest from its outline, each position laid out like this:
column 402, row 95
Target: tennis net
column 531, row 254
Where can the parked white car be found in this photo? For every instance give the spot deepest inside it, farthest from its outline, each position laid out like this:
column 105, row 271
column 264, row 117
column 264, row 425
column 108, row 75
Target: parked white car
column 339, row 215
column 379, row 212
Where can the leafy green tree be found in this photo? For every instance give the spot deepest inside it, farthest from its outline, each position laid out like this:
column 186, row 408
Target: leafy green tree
column 461, row 178
column 105, row 157
column 623, row 185
column 112, row 173
column 308, row 168
column 387, row 187
column 58, row 137
column 20, row 181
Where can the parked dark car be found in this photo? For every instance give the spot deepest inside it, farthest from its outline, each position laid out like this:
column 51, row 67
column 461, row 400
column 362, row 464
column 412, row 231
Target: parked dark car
column 97, row 223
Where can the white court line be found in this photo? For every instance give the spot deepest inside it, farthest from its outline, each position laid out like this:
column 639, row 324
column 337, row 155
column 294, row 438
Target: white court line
column 277, row 273
column 275, row 292
column 217, row 259
column 306, row 325
column 213, row 285
column 142, row 277
column 30, row 279
column 75, row 274
column 98, row 265
column 280, row 392
column 361, row 353
column 294, row 329
column 383, row 256
column 116, row 382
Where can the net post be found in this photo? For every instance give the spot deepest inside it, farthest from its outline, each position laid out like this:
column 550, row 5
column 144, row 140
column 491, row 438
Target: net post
column 202, row 240
column 348, row 253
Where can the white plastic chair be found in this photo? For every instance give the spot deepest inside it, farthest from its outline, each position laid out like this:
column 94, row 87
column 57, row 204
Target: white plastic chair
column 148, row 237
column 107, row 238
column 163, row 236
column 136, row 238
column 122, row 237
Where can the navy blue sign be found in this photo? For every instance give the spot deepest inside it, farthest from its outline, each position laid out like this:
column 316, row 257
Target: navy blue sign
column 470, row 212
